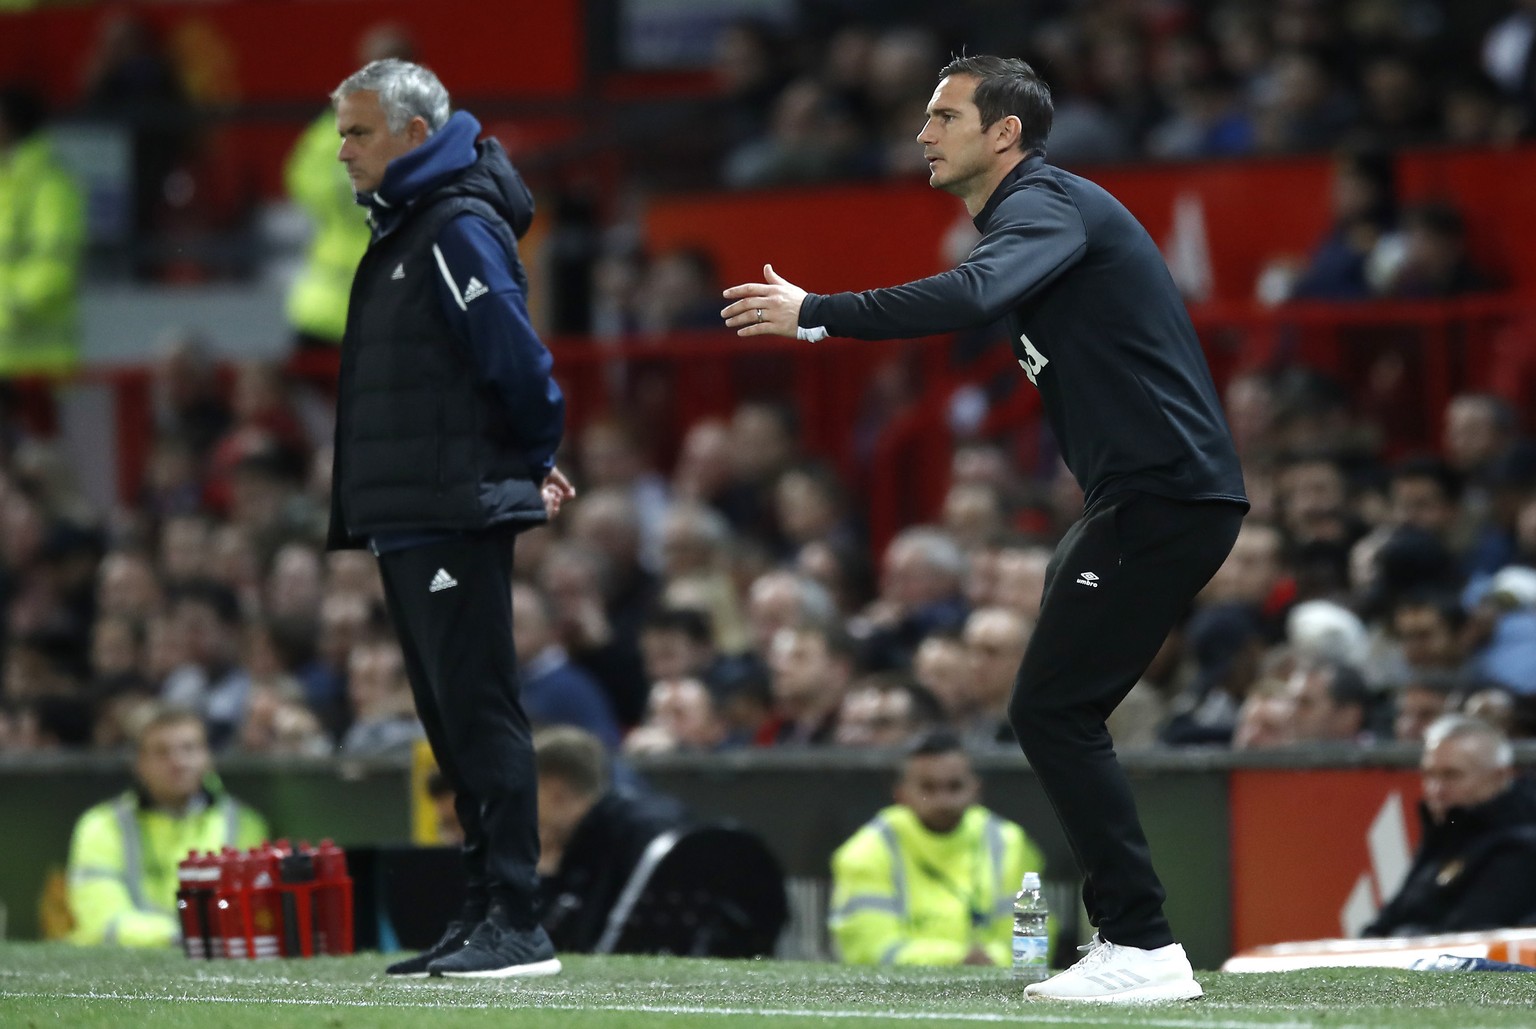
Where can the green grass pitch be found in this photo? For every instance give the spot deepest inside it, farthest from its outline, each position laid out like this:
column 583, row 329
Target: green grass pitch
column 47, row 985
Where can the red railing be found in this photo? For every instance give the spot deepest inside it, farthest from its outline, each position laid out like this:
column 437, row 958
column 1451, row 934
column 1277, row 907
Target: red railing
column 897, row 461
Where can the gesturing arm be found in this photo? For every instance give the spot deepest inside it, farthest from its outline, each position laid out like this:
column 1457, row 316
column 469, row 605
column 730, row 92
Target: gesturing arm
column 1035, row 236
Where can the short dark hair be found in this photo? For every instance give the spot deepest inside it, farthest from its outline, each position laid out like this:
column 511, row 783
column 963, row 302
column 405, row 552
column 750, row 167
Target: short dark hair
column 689, row 622
column 1346, row 686
column 747, row 680
column 1428, row 466
column 839, row 642
column 214, row 595
column 1445, row 605
column 572, row 755
column 1004, row 86
column 935, row 742
column 927, row 711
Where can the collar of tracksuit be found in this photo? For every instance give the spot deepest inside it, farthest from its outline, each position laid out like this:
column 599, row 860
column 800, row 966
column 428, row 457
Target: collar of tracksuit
column 1028, row 166
column 445, row 154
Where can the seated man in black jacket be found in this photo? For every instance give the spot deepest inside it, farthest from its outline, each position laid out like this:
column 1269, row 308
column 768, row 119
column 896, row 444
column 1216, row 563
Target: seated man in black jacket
column 591, row 836
column 1473, row 868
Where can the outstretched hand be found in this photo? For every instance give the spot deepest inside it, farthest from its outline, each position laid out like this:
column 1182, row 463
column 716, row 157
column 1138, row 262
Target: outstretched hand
column 769, row 308
column 556, row 490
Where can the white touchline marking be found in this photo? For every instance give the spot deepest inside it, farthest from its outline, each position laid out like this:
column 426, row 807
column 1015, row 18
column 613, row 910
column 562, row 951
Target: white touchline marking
column 1092, row 1015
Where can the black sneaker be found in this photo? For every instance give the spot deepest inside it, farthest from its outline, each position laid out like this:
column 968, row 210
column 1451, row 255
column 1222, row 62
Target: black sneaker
column 454, row 938
column 495, row 950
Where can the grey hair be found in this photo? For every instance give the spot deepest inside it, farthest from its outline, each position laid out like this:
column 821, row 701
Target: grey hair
column 1449, row 727
column 405, row 91
column 815, row 603
column 937, row 547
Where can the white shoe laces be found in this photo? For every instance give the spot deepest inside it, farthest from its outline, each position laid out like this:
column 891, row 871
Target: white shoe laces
column 1095, row 952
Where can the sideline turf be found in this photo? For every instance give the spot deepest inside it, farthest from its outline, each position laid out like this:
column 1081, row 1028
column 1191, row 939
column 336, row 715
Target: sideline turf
column 45, row 985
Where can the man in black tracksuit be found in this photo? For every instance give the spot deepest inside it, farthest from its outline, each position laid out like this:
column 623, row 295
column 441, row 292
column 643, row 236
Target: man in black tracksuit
column 1100, row 329
column 446, row 427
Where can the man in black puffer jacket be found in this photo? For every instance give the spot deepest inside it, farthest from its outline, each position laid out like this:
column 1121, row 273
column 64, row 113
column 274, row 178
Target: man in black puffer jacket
column 446, row 427
column 1476, row 864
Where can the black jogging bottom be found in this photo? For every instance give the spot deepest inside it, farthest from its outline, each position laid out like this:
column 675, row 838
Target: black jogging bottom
column 451, row 604
column 1120, row 580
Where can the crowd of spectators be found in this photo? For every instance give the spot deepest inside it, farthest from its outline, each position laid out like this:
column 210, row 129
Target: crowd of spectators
column 733, row 597
column 1377, row 247
column 837, row 95
column 735, row 600
column 834, row 95
column 823, row 91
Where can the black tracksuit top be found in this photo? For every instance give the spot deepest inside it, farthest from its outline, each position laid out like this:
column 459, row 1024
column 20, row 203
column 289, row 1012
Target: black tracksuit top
column 1096, row 324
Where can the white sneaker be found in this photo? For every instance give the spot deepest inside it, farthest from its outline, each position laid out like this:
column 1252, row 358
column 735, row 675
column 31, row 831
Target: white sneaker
column 1112, row 974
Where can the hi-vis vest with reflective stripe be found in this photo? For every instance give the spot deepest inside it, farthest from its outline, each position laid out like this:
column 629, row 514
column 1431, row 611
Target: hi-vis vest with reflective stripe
column 42, row 233
column 904, row 895
column 122, row 865
column 317, row 304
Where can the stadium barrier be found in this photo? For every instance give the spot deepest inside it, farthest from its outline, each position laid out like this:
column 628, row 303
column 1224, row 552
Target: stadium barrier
column 1255, row 848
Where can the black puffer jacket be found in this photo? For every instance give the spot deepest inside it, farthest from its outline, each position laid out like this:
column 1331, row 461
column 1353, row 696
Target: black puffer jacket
column 1475, row 871
column 423, row 441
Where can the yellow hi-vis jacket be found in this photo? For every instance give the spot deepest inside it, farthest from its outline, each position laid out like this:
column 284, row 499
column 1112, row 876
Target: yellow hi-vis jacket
column 123, row 858
column 42, row 231
column 317, row 182
column 904, row 895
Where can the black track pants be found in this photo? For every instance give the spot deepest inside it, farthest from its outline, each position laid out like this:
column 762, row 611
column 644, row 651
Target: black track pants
column 452, row 608
column 1121, row 578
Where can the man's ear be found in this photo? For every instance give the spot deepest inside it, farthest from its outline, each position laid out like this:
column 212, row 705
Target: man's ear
column 416, row 130
column 1005, row 135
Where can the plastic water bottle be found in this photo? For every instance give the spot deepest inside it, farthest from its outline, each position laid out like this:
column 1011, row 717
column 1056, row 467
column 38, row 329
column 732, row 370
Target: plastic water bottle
column 1031, row 940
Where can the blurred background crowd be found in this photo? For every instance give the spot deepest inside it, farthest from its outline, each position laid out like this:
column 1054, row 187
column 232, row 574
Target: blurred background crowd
column 753, row 93
column 718, row 586
column 733, row 599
